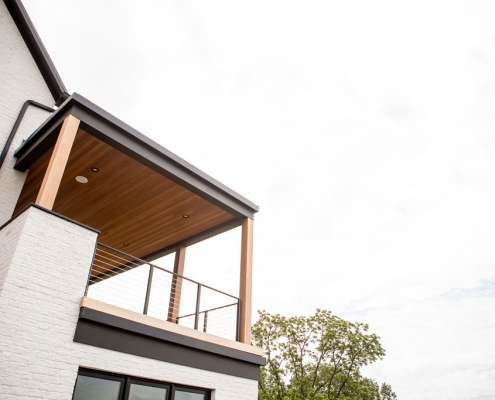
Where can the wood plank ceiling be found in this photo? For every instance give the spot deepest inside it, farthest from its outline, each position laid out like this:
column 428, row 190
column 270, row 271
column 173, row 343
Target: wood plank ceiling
column 127, row 201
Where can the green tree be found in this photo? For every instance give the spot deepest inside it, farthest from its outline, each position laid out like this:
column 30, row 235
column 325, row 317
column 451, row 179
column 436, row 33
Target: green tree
column 386, row 392
column 317, row 357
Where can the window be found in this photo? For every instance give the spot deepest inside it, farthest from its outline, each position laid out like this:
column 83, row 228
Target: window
column 92, row 385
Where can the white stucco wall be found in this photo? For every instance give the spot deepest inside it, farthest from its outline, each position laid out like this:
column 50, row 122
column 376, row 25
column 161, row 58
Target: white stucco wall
column 20, row 80
column 44, row 262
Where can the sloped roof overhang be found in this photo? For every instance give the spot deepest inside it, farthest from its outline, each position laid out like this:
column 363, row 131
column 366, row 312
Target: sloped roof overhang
column 126, row 139
column 142, row 154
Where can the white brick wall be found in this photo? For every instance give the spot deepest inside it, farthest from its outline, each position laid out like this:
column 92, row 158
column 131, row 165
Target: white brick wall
column 39, row 306
column 20, row 80
column 8, row 244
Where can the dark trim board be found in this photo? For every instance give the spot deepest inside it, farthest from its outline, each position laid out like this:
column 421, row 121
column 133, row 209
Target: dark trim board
column 37, row 50
column 126, row 139
column 148, row 258
column 114, row 333
column 111, row 338
column 216, row 230
column 41, row 140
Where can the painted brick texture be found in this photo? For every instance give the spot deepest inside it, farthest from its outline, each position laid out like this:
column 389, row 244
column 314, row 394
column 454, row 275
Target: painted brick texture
column 20, row 80
column 44, row 263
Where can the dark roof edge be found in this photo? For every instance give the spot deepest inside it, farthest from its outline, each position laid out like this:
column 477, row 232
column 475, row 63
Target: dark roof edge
column 126, row 136
column 38, row 50
column 103, row 318
column 173, row 157
column 108, row 128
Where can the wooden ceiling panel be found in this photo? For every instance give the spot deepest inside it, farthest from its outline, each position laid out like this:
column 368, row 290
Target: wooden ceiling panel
column 127, row 201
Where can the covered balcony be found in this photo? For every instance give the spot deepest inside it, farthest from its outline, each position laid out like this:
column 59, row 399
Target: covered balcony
column 88, row 166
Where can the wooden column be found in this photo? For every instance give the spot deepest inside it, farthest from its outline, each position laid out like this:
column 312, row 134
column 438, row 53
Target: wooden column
column 246, row 280
column 176, row 288
column 58, row 161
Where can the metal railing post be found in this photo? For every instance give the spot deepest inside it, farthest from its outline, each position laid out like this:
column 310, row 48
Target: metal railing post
column 238, row 324
column 109, row 262
column 205, row 321
column 198, row 298
column 148, row 291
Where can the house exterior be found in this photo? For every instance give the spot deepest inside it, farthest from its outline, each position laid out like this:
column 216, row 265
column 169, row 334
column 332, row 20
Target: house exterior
column 86, row 204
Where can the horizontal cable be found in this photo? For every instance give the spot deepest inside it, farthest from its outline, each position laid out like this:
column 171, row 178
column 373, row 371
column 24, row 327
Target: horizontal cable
column 168, row 295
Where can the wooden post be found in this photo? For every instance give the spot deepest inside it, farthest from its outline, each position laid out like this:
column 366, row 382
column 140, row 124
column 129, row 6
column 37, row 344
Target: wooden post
column 246, row 280
column 58, row 162
column 176, row 288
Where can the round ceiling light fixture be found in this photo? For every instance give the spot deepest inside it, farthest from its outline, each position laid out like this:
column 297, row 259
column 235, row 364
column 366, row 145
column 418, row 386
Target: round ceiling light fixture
column 94, row 169
column 126, row 244
column 81, row 179
column 185, row 216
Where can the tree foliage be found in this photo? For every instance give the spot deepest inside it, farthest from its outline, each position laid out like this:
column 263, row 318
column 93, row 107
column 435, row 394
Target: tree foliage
column 386, row 392
column 317, row 357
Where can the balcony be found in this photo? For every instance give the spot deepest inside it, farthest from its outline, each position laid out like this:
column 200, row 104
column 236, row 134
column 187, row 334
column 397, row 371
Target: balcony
column 121, row 280
column 146, row 202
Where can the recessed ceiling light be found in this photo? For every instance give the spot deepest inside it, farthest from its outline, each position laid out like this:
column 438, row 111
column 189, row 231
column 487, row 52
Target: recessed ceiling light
column 94, row 169
column 126, row 244
column 81, row 179
column 185, row 216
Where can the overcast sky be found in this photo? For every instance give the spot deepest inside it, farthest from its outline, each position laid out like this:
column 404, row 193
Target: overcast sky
column 364, row 130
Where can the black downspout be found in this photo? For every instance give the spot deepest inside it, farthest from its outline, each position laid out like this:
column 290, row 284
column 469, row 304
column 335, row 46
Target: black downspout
column 18, row 121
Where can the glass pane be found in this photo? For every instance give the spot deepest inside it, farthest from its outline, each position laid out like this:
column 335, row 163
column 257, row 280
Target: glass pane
column 141, row 392
column 179, row 395
column 89, row 388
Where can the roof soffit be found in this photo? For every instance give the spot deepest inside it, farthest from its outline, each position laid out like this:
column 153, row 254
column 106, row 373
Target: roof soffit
column 121, row 136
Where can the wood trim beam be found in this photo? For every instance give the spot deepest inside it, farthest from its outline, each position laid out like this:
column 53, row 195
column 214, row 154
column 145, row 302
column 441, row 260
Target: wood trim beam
column 246, row 280
column 176, row 288
column 58, row 162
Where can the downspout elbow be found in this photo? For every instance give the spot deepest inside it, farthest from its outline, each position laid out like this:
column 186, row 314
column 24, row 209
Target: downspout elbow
column 17, row 123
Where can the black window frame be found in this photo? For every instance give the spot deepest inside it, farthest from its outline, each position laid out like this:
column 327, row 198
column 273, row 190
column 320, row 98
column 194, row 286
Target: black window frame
column 190, row 390
column 101, row 375
column 144, row 382
column 127, row 380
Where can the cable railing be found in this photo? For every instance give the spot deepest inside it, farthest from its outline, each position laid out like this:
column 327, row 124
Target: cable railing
column 120, row 279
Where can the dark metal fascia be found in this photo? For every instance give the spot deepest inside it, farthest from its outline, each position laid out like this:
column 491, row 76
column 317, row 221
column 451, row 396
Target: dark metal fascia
column 148, row 258
column 172, row 337
column 42, row 138
column 121, row 136
column 37, row 50
column 224, row 227
column 145, row 142
column 128, row 342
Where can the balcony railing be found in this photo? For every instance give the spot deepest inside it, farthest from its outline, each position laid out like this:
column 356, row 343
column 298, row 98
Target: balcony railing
column 125, row 281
